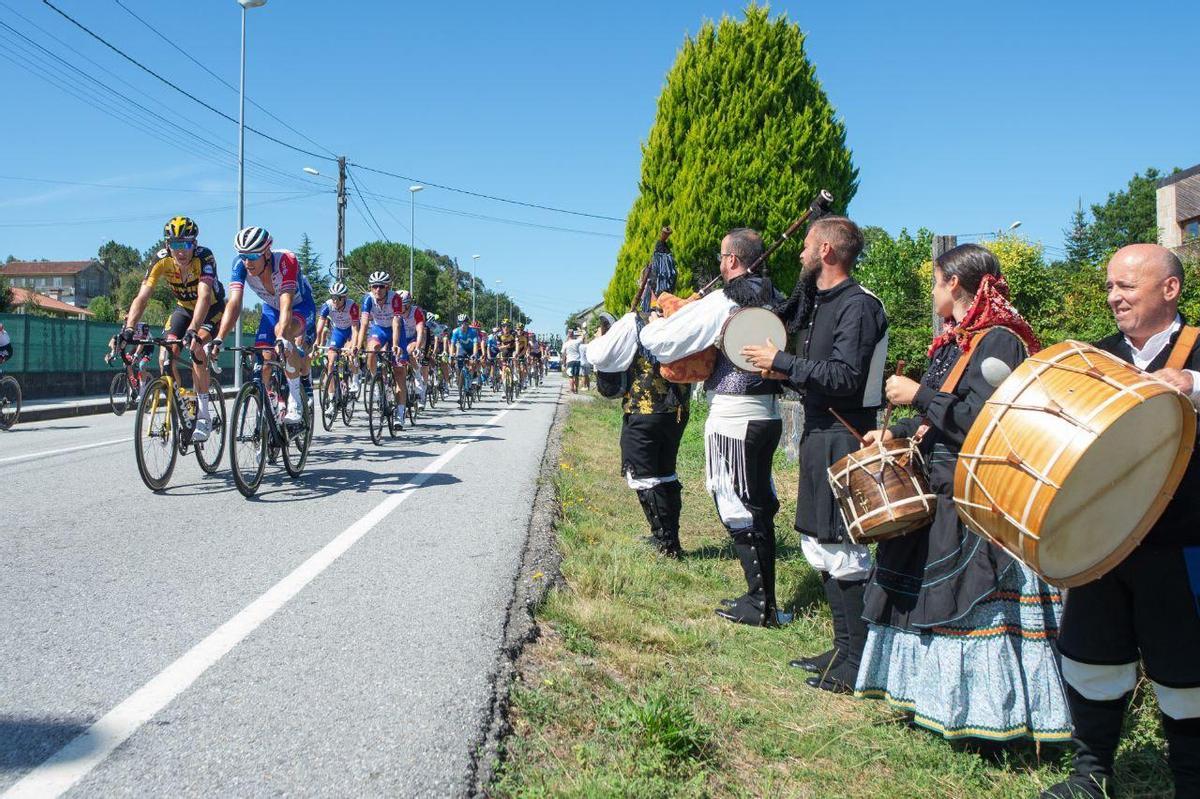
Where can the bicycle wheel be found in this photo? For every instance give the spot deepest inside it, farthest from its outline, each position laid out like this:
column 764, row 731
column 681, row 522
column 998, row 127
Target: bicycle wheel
column 390, row 404
column 248, row 439
column 155, row 436
column 329, row 401
column 296, row 445
column 118, row 393
column 10, row 401
column 348, row 401
column 208, row 453
column 374, row 408
column 431, row 389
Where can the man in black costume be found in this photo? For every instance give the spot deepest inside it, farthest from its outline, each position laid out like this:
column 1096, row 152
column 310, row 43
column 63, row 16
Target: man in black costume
column 841, row 345
column 1148, row 607
column 656, row 412
column 743, row 426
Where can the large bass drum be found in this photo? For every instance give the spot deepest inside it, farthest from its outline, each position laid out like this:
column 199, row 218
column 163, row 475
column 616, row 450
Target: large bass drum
column 1072, row 460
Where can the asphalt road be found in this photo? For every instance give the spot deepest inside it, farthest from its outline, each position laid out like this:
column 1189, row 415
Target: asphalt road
column 333, row 636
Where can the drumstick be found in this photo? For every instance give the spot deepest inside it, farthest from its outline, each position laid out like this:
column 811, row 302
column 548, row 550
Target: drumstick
column 887, row 413
column 848, row 426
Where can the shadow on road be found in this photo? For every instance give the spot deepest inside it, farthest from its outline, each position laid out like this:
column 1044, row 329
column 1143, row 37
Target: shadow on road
column 26, row 742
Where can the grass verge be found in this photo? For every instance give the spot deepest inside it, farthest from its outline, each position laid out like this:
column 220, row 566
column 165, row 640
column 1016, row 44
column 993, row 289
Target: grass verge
column 636, row 689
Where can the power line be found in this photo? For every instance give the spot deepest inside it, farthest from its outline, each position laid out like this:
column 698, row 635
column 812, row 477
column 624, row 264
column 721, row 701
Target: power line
column 224, row 82
column 500, row 219
column 485, row 196
column 290, row 146
column 177, row 88
column 152, row 118
column 172, row 189
column 145, row 217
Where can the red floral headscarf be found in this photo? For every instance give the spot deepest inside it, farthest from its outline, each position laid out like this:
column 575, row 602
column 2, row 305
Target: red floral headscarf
column 990, row 308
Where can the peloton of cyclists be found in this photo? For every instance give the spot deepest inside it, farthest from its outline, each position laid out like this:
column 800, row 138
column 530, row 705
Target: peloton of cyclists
column 288, row 310
column 382, row 325
column 191, row 272
column 338, row 323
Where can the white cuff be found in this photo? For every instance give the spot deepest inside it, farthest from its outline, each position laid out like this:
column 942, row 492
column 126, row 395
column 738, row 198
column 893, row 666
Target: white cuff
column 1195, row 395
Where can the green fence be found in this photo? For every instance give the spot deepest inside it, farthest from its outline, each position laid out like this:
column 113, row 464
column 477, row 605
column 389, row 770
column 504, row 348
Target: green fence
column 46, row 344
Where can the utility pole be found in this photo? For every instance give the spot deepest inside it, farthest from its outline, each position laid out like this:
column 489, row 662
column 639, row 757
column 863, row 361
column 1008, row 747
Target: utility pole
column 941, row 246
column 341, row 208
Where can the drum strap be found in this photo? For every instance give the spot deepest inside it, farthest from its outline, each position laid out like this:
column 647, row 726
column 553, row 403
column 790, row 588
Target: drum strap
column 1183, row 347
column 960, row 366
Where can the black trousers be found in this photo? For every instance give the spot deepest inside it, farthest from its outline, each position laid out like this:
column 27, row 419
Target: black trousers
column 650, row 443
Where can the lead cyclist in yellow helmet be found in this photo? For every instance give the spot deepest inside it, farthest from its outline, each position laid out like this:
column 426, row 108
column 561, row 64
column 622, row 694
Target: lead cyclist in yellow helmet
column 191, row 272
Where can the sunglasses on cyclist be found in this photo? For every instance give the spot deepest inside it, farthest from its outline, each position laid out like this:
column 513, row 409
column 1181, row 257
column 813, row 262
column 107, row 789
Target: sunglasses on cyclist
column 252, row 256
column 181, row 244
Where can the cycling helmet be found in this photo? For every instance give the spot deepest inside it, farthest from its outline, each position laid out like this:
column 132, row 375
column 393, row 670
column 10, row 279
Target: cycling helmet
column 379, row 279
column 506, row 323
column 405, row 297
column 252, row 239
column 462, row 318
column 180, row 227
column 338, row 290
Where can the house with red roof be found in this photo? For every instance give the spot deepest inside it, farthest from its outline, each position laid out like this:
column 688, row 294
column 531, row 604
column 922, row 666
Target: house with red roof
column 73, row 283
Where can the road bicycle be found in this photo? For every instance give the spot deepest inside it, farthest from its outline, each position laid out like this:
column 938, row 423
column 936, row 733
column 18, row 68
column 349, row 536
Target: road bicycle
column 506, row 378
column 412, row 396
column 468, row 390
column 10, row 401
column 258, row 432
column 381, row 396
column 336, row 396
column 166, row 421
column 126, row 387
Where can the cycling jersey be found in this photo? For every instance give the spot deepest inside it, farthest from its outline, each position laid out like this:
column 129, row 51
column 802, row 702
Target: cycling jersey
column 380, row 314
column 343, row 319
column 185, row 282
column 507, row 342
column 411, row 318
column 284, row 276
column 462, row 342
column 493, row 344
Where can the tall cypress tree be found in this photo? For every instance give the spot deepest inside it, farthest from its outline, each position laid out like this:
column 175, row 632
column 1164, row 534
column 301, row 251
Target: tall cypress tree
column 744, row 136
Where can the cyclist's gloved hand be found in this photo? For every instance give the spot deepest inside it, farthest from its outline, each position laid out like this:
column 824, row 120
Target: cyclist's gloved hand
column 188, row 339
column 214, row 347
column 127, row 335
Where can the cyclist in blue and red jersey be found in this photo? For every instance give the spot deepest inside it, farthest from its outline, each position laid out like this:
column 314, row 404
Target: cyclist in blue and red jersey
column 414, row 319
column 382, row 325
column 465, row 343
column 288, row 311
column 338, row 322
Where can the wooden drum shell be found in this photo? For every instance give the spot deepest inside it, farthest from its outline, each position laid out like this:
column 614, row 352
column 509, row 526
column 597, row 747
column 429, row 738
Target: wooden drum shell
column 1072, row 460
column 881, row 491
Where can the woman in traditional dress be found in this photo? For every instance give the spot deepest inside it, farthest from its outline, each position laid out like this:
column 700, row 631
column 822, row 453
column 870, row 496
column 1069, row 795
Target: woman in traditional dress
column 960, row 632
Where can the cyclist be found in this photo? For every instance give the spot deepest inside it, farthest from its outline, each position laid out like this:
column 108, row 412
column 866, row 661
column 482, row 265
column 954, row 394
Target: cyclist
column 6, row 349
column 288, row 311
column 382, row 325
column 492, row 354
column 521, row 353
column 433, row 345
column 414, row 326
column 535, row 354
column 464, row 344
column 191, row 272
column 338, row 322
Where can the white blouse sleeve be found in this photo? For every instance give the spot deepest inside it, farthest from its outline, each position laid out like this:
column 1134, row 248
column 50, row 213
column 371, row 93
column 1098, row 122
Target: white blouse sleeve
column 694, row 327
column 614, row 351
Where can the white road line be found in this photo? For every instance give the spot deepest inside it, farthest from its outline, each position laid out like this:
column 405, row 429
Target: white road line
column 64, row 450
column 80, row 755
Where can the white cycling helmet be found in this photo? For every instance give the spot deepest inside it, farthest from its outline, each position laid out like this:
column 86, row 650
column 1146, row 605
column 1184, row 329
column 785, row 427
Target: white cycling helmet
column 405, row 297
column 252, row 239
column 338, row 290
column 379, row 279
column 462, row 317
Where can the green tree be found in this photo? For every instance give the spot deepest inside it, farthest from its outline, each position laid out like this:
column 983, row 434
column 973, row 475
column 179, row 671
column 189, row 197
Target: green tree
column 103, row 309
column 1077, row 238
column 128, row 287
column 744, row 135
column 897, row 270
column 310, row 265
column 118, row 259
column 1129, row 216
column 6, row 295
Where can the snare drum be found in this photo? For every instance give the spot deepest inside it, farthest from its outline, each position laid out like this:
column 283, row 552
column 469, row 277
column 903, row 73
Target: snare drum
column 1072, row 460
column 750, row 326
column 881, row 491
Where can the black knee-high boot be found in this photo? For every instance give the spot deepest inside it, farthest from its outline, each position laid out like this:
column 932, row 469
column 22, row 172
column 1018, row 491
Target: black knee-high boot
column 1097, row 733
column 819, row 664
column 843, row 672
column 662, row 505
column 1183, row 755
column 757, row 606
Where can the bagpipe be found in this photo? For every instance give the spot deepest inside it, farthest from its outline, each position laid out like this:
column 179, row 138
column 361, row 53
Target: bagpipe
column 745, row 325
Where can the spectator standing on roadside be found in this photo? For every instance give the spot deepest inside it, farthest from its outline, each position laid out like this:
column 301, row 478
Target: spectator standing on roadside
column 571, row 359
column 585, row 366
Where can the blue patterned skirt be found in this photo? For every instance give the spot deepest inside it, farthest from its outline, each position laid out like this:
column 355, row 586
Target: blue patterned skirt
column 989, row 674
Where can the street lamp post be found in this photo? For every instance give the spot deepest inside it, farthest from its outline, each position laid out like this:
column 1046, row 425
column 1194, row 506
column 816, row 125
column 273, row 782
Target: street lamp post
column 474, row 267
column 412, row 235
column 241, row 200
column 498, row 282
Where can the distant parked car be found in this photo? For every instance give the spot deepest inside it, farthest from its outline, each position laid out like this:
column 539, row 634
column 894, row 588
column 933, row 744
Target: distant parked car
column 555, row 362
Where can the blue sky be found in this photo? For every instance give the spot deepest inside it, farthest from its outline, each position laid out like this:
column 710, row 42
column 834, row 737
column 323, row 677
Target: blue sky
column 963, row 117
